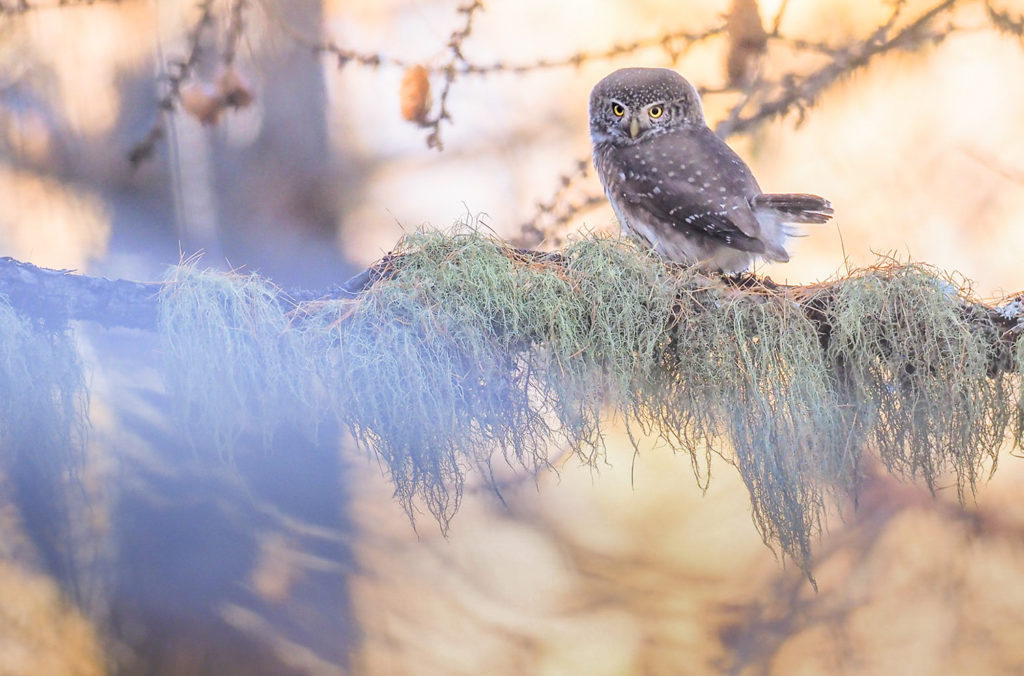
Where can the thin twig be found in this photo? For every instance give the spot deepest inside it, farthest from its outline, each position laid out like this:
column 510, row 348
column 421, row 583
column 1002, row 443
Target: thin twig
column 558, row 210
column 178, row 72
column 1004, row 21
column 456, row 60
column 16, row 7
column 777, row 21
column 675, row 44
column 236, row 28
column 801, row 92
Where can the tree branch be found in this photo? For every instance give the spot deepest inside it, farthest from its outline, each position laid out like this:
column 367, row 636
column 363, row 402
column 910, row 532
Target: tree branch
column 800, row 92
column 56, row 296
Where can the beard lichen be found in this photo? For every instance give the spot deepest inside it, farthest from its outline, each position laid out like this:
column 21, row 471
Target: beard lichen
column 43, row 428
column 912, row 372
column 745, row 372
column 470, row 351
column 466, row 352
column 43, row 398
column 233, row 360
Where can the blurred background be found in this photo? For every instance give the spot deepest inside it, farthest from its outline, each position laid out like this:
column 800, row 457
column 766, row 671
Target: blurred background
column 299, row 140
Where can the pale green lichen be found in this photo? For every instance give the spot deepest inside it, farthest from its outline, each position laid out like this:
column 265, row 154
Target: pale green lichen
column 470, row 351
column 913, row 373
column 233, row 360
column 466, row 352
column 43, row 398
column 43, row 429
column 745, row 370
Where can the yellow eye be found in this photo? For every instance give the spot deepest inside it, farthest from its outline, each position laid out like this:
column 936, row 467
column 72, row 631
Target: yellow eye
column 618, row 110
column 655, row 112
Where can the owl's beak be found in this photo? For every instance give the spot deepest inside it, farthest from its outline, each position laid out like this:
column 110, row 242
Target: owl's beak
column 634, row 127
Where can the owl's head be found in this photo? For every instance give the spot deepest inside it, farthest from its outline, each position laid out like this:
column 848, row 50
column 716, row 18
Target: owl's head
column 636, row 103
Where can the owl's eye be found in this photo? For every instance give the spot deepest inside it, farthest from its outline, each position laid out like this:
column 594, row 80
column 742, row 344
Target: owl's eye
column 618, row 110
column 655, row 112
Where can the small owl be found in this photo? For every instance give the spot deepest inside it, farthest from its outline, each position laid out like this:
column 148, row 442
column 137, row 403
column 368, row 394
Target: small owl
column 675, row 186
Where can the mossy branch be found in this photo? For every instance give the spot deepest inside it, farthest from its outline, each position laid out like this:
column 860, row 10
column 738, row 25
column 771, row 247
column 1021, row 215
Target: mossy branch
column 458, row 351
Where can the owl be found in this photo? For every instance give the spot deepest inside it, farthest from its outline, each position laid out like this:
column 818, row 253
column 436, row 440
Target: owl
column 679, row 189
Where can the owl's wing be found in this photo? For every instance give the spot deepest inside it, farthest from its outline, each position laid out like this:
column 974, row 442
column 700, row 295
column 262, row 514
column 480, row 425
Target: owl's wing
column 697, row 184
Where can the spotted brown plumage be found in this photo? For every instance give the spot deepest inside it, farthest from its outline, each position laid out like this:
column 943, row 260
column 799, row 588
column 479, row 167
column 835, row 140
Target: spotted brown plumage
column 678, row 188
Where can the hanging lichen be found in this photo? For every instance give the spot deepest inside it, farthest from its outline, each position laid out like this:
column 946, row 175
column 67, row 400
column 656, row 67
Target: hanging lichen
column 43, row 425
column 43, row 400
column 913, row 374
column 466, row 352
column 233, row 360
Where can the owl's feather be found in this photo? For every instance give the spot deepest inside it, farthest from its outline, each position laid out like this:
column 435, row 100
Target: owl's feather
column 796, row 207
column 704, row 195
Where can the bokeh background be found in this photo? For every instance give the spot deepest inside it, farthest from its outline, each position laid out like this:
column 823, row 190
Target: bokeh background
column 297, row 559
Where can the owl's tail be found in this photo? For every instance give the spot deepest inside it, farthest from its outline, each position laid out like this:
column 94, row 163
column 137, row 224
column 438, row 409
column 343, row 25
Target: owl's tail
column 796, row 207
